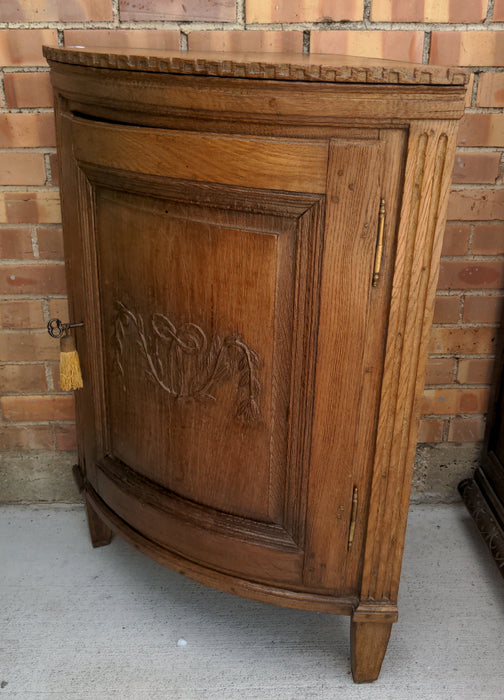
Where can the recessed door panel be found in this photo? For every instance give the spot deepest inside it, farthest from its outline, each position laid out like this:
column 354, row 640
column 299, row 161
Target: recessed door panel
column 197, row 312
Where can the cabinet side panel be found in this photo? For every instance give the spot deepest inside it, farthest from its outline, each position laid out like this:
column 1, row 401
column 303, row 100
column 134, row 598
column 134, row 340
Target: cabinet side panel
column 427, row 182
column 78, row 231
column 74, row 268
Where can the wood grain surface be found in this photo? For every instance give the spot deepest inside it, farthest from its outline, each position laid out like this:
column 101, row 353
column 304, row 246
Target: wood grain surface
column 251, row 397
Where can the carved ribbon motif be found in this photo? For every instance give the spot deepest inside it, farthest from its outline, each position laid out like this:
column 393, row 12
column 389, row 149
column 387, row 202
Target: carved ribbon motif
column 184, row 363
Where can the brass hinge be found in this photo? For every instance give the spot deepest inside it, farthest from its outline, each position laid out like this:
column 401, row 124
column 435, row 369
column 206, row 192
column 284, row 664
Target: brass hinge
column 379, row 245
column 353, row 517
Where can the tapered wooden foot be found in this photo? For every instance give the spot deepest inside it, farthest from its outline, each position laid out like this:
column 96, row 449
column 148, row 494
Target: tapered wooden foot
column 100, row 533
column 368, row 644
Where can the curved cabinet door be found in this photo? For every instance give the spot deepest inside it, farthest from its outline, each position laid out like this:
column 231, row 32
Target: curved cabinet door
column 202, row 261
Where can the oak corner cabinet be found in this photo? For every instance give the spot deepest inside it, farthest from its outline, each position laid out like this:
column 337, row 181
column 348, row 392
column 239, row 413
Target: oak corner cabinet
column 252, row 244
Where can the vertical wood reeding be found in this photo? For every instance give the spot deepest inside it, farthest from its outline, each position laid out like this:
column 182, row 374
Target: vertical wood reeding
column 422, row 296
column 428, row 176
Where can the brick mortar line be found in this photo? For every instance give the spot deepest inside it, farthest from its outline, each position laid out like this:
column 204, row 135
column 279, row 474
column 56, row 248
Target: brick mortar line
column 460, row 356
column 467, row 325
column 30, row 189
column 487, row 69
column 430, row 444
column 241, row 16
column 470, row 241
column 474, row 93
column 6, row 363
column 34, row 242
column 31, row 331
column 18, row 225
column 464, row 386
column 460, row 319
column 28, row 394
column 26, row 110
column 500, row 179
column 476, row 222
column 13, row 262
column 32, row 149
column 170, row 25
column 42, row 150
column 444, row 293
column 46, row 315
column 25, row 69
column 31, row 297
column 484, row 110
column 198, row 25
column 306, row 42
column 448, row 416
column 474, row 257
column 461, row 324
column 455, row 370
column 367, row 12
column 116, row 15
column 476, row 186
column 337, row 26
column 490, row 11
column 480, row 149
column 446, row 430
column 22, row 423
column 426, row 47
column 3, row 98
column 48, row 169
column 457, row 291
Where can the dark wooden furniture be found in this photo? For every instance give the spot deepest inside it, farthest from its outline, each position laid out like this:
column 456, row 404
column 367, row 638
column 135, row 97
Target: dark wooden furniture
column 252, row 243
column 483, row 494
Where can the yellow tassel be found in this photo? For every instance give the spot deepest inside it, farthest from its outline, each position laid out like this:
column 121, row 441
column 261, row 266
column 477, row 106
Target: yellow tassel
column 70, row 371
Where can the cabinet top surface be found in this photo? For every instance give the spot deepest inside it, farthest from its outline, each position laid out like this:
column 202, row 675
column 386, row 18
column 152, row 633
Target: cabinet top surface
column 325, row 68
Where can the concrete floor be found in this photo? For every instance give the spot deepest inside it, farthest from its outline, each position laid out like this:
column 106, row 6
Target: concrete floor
column 108, row 623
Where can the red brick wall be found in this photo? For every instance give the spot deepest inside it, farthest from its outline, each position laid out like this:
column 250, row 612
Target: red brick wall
column 35, row 413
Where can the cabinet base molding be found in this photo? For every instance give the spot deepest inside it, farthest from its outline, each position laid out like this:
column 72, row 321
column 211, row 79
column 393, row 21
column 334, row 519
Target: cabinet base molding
column 224, row 582
column 375, row 612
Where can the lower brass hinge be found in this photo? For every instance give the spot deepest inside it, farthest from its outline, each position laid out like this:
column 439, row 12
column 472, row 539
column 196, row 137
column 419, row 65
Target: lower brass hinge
column 353, row 517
